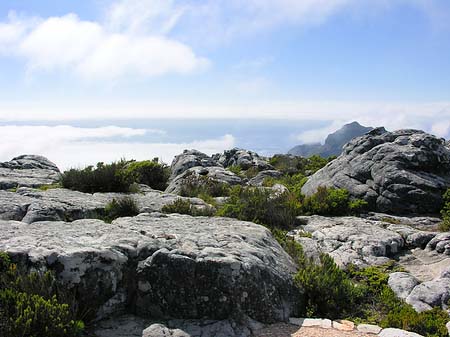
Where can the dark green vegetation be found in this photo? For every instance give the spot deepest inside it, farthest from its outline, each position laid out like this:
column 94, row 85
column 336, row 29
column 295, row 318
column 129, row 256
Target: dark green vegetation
column 203, row 187
column 33, row 305
column 445, row 225
column 122, row 207
column 182, row 206
column 261, row 206
column 121, row 176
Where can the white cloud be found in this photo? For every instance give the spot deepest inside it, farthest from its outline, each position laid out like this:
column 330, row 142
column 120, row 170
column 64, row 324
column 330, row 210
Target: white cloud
column 253, row 86
column 69, row 146
column 441, row 129
column 319, row 135
column 91, row 51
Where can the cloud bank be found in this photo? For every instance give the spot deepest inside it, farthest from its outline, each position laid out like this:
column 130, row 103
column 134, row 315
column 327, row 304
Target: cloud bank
column 70, row 146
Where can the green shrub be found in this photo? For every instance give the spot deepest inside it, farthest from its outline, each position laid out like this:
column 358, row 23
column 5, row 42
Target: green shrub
column 260, row 206
column 380, row 305
column 148, row 172
column 316, row 162
column 328, row 291
column 236, row 169
column 179, row 206
column 102, row 178
column 49, row 187
column 293, row 183
column 331, row 201
column 33, row 304
column 182, row 206
column 445, row 225
column 196, row 186
column 122, row 207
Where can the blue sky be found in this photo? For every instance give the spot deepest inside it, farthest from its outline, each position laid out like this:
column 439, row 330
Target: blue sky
column 319, row 63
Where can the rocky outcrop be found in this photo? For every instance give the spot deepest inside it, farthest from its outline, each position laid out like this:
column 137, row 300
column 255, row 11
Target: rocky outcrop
column 350, row 240
column 31, row 205
column 424, row 254
column 258, row 180
column 197, row 177
column 162, row 265
column 243, row 158
column 188, row 159
column 405, row 171
column 333, row 143
column 28, row 171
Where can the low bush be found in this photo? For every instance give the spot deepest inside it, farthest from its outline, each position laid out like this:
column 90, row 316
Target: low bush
column 118, row 176
column 32, row 305
column 380, row 305
column 202, row 186
column 151, row 173
column 182, row 206
column 102, row 178
column 328, row 291
column 294, row 183
column 331, row 201
column 261, row 206
column 122, row 207
column 445, row 225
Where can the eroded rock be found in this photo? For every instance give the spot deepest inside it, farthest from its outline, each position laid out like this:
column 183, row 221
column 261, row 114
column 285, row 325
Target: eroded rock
column 28, row 171
column 163, row 265
column 400, row 172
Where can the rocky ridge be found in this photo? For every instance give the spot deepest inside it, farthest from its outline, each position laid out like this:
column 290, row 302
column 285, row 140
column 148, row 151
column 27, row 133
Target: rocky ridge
column 400, row 172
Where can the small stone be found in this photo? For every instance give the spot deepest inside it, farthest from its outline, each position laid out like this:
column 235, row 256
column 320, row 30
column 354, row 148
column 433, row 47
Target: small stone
column 391, row 332
column 369, row 328
column 344, row 325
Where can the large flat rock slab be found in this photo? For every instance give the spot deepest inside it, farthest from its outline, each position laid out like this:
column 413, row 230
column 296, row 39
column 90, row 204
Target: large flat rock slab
column 163, row 265
column 58, row 204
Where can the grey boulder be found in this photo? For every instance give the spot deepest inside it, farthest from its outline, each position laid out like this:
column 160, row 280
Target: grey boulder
column 166, row 266
column 243, row 158
column 402, row 284
column 188, row 159
column 28, row 171
column 405, row 171
column 351, row 240
column 202, row 176
column 258, row 180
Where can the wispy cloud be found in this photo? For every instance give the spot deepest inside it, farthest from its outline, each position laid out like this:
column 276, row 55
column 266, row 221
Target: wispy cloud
column 92, row 51
column 70, row 146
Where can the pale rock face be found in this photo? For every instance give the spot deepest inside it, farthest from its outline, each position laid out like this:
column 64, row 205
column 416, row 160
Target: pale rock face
column 243, row 158
column 258, row 180
column 405, row 171
column 402, row 284
column 28, row 171
column 163, row 265
column 197, row 176
column 31, row 205
column 189, row 159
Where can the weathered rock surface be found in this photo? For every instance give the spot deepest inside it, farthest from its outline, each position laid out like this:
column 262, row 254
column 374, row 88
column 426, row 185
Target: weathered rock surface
column 402, row 284
column 188, row 159
column 405, row 171
column 351, row 239
column 28, row 171
column 198, row 176
column 261, row 176
column 243, row 158
column 163, row 265
column 31, row 205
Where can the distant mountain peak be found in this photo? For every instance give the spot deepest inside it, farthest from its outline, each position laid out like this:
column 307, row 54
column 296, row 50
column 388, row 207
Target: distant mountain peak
column 333, row 143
